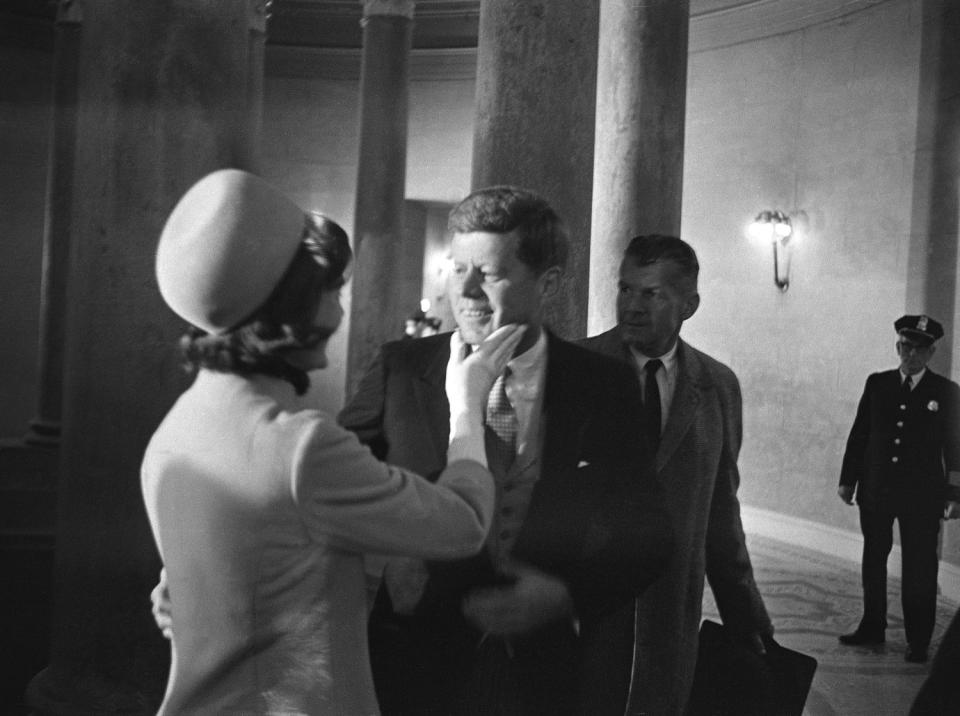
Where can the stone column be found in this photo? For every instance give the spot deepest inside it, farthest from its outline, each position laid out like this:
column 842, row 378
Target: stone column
column 45, row 427
column 536, row 89
column 163, row 98
column 638, row 157
column 933, row 258
column 378, row 303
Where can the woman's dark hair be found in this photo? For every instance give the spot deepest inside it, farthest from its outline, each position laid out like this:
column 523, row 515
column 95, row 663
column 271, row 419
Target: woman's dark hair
column 284, row 323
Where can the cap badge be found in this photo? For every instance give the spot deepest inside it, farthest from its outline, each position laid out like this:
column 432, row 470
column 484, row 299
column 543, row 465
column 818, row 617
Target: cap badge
column 922, row 323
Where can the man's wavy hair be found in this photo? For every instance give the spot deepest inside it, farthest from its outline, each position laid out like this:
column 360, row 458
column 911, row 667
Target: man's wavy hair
column 502, row 209
column 284, row 323
column 652, row 248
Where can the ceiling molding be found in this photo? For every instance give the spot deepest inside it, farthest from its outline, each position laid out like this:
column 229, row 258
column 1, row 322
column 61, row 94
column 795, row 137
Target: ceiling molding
column 312, row 26
column 344, row 63
column 749, row 20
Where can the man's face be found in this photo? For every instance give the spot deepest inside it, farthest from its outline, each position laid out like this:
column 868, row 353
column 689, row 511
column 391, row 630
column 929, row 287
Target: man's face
column 914, row 356
column 490, row 287
column 653, row 301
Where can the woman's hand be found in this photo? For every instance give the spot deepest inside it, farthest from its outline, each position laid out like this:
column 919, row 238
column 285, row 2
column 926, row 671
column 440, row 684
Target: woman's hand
column 161, row 606
column 470, row 375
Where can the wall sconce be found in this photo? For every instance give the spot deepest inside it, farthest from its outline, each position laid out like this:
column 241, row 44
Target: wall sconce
column 775, row 227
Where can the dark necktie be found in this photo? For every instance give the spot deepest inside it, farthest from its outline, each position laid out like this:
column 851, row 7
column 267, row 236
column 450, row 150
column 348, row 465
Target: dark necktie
column 651, row 401
column 501, row 428
column 907, row 384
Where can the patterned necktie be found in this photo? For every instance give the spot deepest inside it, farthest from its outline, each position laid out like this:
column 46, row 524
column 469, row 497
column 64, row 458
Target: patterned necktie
column 651, row 402
column 501, row 427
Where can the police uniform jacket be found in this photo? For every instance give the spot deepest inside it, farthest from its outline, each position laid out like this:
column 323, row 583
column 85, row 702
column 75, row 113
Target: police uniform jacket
column 904, row 444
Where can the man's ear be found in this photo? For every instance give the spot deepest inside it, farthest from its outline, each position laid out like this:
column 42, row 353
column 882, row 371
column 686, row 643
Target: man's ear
column 933, row 349
column 691, row 305
column 549, row 282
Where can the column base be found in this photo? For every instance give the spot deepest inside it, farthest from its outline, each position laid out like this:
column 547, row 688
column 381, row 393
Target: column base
column 43, row 433
column 27, row 519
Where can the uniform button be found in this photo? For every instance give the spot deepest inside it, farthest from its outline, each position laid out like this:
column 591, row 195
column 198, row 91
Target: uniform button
column 896, row 441
column 899, row 423
column 894, row 459
column 903, row 407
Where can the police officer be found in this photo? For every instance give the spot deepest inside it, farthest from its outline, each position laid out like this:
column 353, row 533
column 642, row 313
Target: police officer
column 903, row 461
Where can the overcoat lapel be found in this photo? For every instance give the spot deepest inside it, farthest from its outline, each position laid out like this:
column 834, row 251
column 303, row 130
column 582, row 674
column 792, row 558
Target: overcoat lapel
column 686, row 399
column 431, row 396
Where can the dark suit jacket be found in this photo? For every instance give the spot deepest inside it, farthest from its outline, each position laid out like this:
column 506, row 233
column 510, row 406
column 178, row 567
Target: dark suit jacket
column 697, row 467
column 928, row 430
column 595, row 518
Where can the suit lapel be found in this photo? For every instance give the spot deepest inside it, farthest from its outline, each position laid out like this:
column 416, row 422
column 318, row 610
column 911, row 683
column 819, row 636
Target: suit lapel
column 565, row 413
column 686, row 400
column 431, row 396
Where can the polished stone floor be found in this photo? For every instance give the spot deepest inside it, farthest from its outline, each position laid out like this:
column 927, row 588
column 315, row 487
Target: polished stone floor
column 812, row 598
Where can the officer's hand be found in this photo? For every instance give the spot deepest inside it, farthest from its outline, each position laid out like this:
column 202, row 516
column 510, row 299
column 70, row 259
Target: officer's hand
column 846, row 493
column 952, row 510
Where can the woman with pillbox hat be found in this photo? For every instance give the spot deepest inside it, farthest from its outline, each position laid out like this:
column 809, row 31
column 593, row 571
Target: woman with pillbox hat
column 261, row 506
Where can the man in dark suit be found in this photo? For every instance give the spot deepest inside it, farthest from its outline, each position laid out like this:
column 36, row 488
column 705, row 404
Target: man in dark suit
column 694, row 413
column 580, row 527
column 903, row 462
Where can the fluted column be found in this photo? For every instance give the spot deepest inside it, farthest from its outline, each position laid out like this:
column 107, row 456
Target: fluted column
column 380, row 302
column 163, row 98
column 536, row 89
column 45, row 427
column 638, row 158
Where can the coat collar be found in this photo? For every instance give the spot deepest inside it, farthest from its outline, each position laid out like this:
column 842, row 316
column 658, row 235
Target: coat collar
column 565, row 411
column 692, row 382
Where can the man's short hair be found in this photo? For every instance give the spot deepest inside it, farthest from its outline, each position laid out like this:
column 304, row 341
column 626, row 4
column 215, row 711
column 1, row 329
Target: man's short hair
column 651, row 248
column 502, row 209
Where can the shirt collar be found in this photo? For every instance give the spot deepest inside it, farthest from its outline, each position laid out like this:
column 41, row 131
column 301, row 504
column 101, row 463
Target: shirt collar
column 915, row 378
column 526, row 367
column 669, row 359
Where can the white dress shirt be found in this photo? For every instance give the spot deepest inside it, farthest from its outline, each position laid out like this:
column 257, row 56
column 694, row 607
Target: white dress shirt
column 914, row 379
column 666, row 378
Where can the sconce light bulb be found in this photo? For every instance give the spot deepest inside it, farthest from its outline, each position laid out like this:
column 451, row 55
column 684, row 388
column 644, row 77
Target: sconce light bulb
column 425, row 304
column 782, row 229
column 760, row 231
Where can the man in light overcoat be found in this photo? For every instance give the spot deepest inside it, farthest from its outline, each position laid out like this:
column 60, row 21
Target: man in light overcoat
column 694, row 415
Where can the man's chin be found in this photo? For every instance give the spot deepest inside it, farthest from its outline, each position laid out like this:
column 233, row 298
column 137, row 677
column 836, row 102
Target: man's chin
column 632, row 335
column 474, row 335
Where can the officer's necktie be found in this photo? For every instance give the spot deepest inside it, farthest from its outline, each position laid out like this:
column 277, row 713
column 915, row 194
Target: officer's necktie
column 651, row 401
column 501, row 428
column 907, row 384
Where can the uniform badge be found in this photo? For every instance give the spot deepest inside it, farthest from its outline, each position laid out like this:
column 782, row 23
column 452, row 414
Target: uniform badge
column 933, row 406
